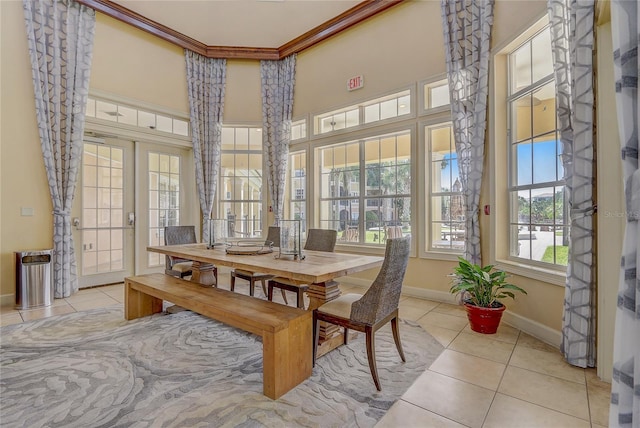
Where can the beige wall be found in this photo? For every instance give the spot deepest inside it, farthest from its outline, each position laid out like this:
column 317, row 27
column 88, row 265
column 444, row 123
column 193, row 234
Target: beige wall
column 398, row 48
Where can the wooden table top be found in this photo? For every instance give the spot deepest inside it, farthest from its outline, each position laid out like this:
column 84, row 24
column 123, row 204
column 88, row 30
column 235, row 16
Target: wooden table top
column 317, row 266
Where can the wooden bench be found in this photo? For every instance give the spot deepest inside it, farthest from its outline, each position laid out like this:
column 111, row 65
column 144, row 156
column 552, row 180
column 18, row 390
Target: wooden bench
column 286, row 331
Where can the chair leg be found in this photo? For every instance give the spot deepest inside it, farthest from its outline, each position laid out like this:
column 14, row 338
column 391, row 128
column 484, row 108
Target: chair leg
column 371, row 355
column 233, row 282
column 284, row 296
column 252, row 287
column 316, row 336
column 396, row 337
column 264, row 287
column 300, row 295
column 270, row 292
column 346, row 336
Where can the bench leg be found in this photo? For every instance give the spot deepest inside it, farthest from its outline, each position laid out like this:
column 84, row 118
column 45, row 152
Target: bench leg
column 138, row 304
column 287, row 357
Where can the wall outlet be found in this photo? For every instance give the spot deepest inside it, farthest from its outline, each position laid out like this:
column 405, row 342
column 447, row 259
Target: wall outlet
column 26, row 211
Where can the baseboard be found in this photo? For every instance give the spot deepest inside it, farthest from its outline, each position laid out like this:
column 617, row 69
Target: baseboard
column 533, row 328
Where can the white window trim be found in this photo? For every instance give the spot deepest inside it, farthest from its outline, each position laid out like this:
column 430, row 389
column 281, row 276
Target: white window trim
column 497, row 122
column 423, row 109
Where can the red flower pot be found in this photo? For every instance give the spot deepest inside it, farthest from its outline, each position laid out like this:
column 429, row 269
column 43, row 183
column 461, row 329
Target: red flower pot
column 484, row 320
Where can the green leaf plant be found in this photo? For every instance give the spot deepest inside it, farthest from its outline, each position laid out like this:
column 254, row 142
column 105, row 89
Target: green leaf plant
column 481, row 286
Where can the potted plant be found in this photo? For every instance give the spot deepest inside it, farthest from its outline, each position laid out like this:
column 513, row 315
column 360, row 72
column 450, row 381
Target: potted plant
column 481, row 288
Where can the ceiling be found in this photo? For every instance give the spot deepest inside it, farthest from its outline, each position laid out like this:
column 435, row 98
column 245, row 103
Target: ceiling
column 252, row 23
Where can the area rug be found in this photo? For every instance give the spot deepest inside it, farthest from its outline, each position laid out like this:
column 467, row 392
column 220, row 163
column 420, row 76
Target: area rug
column 94, row 369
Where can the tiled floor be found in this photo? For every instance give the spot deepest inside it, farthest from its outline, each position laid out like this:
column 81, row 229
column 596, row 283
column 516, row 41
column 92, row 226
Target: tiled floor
column 508, row 379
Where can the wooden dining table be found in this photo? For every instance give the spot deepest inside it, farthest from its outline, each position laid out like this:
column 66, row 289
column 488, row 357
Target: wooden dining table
column 319, row 269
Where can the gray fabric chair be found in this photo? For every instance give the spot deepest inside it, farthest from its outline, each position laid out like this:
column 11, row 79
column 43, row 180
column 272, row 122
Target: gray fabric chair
column 273, row 238
column 177, row 235
column 317, row 240
column 379, row 305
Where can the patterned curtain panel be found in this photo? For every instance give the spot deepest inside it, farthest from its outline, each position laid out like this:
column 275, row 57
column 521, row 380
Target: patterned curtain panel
column 572, row 42
column 278, row 79
column 205, row 84
column 625, row 387
column 60, row 37
column 467, row 34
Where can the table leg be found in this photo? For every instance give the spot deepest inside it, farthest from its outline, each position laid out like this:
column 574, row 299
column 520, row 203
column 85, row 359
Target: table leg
column 202, row 273
column 330, row 334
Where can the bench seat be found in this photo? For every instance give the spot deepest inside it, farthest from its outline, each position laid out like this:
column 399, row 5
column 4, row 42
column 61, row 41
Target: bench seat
column 286, row 332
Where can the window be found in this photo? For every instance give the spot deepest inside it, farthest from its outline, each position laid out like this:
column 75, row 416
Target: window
column 365, row 188
column 445, row 203
column 240, row 184
column 115, row 112
column 164, row 200
column 299, row 129
column 383, row 108
column 436, row 94
column 537, row 213
column 297, row 185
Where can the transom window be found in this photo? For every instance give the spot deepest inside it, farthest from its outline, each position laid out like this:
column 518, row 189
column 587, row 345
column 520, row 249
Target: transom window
column 436, row 94
column 379, row 109
column 539, row 230
column 365, row 188
column 114, row 112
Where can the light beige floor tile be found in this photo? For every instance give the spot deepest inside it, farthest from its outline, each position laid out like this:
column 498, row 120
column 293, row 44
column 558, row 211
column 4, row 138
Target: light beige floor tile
column 443, row 321
column 414, row 302
column 484, row 346
column 50, row 311
column 546, row 362
column 599, row 398
column 411, row 313
column 116, row 295
column 451, row 398
column 598, row 426
column 102, row 302
column 547, row 391
column 84, row 295
column 10, row 319
column 59, row 302
column 531, row 342
column 510, row 412
column 406, row 415
column 449, row 309
column 475, row 370
column 442, row 335
column 505, row 333
column 9, row 309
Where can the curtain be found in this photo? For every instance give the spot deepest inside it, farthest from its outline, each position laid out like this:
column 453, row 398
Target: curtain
column 278, row 79
column 572, row 42
column 467, row 35
column 60, row 39
column 205, row 86
column 625, row 386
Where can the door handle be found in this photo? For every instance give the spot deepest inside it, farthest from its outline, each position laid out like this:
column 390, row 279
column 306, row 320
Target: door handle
column 131, row 219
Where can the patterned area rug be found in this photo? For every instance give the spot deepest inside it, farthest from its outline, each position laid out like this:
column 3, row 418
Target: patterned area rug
column 94, row 369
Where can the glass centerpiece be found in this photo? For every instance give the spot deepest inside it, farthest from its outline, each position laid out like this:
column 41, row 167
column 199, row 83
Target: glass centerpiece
column 219, row 232
column 290, row 239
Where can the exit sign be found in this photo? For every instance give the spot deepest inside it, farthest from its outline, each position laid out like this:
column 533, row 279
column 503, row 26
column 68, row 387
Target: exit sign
column 356, row 82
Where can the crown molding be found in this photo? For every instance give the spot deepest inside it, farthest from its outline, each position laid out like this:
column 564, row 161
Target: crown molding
column 342, row 22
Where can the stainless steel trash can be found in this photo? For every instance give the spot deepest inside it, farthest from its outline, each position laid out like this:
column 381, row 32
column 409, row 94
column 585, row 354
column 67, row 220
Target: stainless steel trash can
column 34, row 287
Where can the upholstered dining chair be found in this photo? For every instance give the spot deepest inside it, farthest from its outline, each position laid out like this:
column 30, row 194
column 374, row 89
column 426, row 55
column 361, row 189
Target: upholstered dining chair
column 273, row 238
column 317, row 240
column 177, row 235
column 379, row 305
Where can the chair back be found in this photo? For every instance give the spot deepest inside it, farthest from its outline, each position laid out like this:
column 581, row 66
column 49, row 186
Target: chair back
column 176, row 235
column 321, row 240
column 384, row 294
column 273, row 236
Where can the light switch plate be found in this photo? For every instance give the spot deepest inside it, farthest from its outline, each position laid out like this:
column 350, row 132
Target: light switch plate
column 25, row 211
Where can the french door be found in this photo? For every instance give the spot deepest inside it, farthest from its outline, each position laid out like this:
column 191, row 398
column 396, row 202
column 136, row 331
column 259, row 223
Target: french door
column 128, row 192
